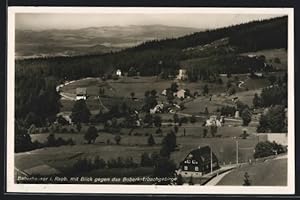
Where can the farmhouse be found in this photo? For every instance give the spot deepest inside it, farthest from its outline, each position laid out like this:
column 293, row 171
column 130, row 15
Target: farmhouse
column 198, row 162
column 81, row 94
column 213, row 121
column 182, row 75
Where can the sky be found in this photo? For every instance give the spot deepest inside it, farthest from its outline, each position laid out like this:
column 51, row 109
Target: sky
column 42, row 21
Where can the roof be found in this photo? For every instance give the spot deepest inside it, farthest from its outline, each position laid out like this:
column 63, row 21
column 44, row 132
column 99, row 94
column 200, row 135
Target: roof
column 81, row 91
column 202, row 155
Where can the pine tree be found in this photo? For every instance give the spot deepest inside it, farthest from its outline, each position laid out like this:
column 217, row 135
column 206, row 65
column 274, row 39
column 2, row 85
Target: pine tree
column 246, row 116
column 191, row 181
column 247, row 181
column 151, row 140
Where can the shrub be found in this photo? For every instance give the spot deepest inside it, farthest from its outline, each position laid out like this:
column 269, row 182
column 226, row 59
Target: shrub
column 264, row 149
column 183, row 120
column 112, row 163
column 193, row 119
column 164, row 168
column 51, row 140
column 91, row 135
column 83, row 165
column 273, row 121
column 146, row 161
column 246, row 116
column 151, row 140
column 158, row 131
column 277, row 60
column 227, row 110
column 118, row 139
column 247, row 181
column 231, row 90
column 99, row 163
column 129, row 163
column 70, row 142
column 64, row 130
column 205, row 133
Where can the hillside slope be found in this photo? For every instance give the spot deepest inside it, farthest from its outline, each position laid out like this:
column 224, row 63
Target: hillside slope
column 270, row 172
column 165, row 56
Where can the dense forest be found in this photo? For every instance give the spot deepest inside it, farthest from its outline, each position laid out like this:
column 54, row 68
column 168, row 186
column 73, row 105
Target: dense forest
column 36, row 78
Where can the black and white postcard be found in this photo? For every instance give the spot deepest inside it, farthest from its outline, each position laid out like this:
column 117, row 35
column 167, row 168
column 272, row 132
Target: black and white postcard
column 150, row 100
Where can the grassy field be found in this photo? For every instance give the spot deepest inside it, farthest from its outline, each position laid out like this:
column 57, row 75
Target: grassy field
column 118, row 91
column 270, row 172
column 198, row 105
column 63, row 157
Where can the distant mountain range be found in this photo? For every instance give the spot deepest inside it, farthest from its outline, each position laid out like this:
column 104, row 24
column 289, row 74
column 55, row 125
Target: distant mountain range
column 91, row 40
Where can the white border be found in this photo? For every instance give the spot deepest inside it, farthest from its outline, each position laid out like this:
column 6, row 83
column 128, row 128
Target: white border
column 147, row 189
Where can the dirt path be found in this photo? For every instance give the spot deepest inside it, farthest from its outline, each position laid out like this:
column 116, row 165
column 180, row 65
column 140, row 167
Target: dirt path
column 102, row 105
column 243, row 82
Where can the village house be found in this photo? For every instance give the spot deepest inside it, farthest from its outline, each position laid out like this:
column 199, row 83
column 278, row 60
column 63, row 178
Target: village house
column 66, row 116
column 198, row 162
column 157, row 109
column 252, row 56
column 259, row 74
column 81, row 93
column 213, row 121
column 119, row 72
column 180, row 93
column 182, row 75
column 164, row 92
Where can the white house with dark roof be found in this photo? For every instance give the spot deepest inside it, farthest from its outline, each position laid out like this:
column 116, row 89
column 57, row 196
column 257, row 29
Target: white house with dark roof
column 198, row 162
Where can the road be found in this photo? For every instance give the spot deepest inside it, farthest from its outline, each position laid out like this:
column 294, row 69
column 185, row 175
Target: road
column 66, row 95
column 217, row 179
column 189, row 115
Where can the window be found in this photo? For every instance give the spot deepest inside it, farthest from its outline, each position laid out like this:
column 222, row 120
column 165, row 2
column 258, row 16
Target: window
column 194, row 162
column 185, row 168
column 196, row 168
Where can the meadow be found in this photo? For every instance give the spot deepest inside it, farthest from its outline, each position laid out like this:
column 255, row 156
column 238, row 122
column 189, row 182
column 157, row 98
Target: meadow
column 269, row 172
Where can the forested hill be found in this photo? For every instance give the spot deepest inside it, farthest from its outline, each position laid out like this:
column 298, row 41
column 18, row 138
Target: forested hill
column 164, row 56
column 253, row 36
